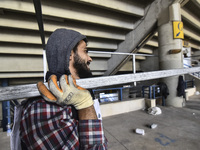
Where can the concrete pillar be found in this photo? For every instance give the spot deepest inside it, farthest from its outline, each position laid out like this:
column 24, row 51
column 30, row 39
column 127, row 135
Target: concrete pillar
column 167, row 43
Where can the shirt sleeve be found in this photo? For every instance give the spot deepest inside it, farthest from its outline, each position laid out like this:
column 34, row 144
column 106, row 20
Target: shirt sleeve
column 48, row 126
column 91, row 135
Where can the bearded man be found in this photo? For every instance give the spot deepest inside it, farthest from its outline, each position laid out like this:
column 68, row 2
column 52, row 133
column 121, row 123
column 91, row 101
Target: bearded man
column 64, row 117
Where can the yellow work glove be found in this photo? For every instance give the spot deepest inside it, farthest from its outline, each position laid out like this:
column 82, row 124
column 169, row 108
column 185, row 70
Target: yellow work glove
column 69, row 93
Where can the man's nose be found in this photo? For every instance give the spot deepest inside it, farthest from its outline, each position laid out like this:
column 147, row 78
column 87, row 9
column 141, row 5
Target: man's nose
column 89, row 59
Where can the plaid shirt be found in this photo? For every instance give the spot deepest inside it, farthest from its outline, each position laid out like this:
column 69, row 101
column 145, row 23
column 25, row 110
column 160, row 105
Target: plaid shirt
column 50, row 126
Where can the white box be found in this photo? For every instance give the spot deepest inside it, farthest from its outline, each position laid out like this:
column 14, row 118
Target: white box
column 150, row 102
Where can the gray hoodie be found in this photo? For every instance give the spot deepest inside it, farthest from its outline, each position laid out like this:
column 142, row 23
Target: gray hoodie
column 58, row 50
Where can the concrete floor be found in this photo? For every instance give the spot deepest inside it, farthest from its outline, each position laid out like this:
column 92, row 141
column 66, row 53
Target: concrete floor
column 178, row 129
column 4, row 141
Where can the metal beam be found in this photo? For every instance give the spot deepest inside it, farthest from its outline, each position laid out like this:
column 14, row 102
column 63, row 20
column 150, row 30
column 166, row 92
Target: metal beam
column 26, row 91
column 119, row 53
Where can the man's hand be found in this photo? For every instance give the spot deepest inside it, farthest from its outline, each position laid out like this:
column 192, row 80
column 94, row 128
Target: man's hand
column 69, row 93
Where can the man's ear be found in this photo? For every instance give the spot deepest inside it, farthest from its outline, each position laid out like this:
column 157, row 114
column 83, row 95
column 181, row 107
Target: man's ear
column 72, row 55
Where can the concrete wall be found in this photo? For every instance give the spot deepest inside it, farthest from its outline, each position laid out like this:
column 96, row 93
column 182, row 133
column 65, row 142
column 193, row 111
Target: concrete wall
column 116, row 108
column 190, row 91
column 151, row 63
column 197, row 84
column 196, row 81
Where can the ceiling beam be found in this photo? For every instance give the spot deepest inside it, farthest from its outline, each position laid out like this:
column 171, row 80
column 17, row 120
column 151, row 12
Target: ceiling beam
column 27, row 38
column 125, row 7
column 190, row 18
column 146, row 50
column 20, row 50
column 197, row 3
column 50, row 26
column 191, row 34
column 21, row 75
column 65, row 11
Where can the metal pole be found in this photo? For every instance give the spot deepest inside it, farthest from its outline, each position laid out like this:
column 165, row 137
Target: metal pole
column 44, row 64
column 6, row 111
column 119, row 53
column 134, row 67
column 38, row 13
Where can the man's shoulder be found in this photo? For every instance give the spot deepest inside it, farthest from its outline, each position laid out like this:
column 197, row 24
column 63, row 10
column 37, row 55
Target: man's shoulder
column 31, row 101
column 39, row 103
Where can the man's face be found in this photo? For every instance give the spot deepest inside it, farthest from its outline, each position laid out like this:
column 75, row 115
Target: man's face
column 81, row 61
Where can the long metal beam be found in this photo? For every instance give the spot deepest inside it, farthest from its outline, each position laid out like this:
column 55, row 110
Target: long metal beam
column 30, row 90
column 119, row 53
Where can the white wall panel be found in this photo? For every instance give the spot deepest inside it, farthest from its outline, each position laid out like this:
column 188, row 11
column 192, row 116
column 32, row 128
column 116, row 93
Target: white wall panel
column 20, row 63
column 30, row 23
column 98, row 65
column 67, row 11
column 129, row 66
column 127, row 7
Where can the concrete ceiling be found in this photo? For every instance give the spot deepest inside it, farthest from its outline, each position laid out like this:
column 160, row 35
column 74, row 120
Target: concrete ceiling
column 109, row 26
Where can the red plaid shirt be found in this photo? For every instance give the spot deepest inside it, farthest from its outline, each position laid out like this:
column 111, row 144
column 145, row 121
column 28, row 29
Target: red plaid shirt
column 48, row 126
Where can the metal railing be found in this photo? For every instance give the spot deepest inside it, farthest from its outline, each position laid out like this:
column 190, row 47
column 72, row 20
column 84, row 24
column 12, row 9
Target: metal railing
column 196, row 74
column 116, row 94
column 189, row 84
column 151, row 92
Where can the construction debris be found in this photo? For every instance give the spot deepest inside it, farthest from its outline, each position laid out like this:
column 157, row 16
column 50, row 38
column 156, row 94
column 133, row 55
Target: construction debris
column 153, row 126
column 140, row 131
column 154, row 111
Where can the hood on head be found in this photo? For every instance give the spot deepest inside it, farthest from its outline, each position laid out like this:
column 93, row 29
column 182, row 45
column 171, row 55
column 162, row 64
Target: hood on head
column 58, row 50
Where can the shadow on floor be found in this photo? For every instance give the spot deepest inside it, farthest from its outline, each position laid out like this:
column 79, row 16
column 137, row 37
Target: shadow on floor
column 193, row 102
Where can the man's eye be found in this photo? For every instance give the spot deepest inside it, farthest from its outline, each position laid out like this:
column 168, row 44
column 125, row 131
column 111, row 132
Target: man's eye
column 86, row 51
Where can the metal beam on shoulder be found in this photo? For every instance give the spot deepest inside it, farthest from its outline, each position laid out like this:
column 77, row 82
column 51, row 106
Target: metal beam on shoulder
column 26, row 91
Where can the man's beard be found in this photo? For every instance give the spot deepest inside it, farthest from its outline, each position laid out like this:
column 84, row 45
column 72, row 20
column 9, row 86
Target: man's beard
column 81, row 67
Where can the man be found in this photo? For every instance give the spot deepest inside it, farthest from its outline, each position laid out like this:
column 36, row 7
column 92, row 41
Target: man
column 65, row 118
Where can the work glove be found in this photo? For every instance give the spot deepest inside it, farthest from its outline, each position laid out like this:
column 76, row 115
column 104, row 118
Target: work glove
column 68, row 93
